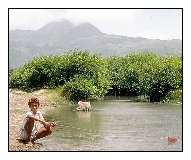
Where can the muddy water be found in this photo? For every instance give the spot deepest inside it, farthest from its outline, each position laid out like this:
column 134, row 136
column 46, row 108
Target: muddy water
column 116, row 125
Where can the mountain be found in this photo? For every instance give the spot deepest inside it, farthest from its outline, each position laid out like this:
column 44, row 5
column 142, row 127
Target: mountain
column 58, row 37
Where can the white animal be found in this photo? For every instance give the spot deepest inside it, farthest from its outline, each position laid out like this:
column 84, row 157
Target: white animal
column 84, row 106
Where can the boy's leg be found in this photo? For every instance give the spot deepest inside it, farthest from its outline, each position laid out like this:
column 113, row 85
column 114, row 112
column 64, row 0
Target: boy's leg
column 28, row 127
column 42, row 132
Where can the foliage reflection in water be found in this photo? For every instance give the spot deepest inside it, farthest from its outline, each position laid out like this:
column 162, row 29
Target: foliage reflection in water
column 116, row 125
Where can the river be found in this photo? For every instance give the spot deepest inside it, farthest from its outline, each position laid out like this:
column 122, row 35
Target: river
column 116, row 125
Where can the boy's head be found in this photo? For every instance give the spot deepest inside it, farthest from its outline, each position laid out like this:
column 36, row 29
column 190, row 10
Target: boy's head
column 33, row 104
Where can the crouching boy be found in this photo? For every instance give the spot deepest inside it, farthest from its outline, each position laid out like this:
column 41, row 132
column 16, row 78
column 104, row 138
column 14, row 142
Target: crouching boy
column 34, row 126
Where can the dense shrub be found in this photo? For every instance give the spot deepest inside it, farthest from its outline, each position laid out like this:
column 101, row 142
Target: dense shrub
column 79, row 87
column 132, row 73
column 146, row 74
column 174, row 96
column 167, row 77
column 53, row 71
column 18, row 78
column 90, row 76
column 90, row 70
column 38, row 73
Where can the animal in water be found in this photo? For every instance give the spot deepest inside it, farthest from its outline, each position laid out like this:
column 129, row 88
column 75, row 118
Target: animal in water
column 83, row 106
column 172, row 140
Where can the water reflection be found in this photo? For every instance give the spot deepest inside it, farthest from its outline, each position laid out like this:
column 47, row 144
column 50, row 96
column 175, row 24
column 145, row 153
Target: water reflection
column 84, row 116
column 74, row 128
column 116, row 125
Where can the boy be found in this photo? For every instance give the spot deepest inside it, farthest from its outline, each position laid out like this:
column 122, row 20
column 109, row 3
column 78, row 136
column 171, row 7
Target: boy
column 34, row 126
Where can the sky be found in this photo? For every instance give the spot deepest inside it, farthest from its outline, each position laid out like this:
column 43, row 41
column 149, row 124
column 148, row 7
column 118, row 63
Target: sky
column 149, row 23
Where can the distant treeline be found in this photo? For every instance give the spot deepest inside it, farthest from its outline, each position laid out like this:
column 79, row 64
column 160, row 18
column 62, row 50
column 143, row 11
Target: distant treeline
column 85, row 75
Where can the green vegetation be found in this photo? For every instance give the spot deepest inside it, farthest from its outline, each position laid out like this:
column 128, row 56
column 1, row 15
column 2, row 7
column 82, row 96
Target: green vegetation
column 83, row 75
column 146, row 74
column 174, row 96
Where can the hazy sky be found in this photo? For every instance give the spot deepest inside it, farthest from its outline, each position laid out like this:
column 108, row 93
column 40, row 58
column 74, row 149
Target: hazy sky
column 148, row 23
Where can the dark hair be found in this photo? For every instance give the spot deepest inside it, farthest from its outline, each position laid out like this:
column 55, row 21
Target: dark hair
column 32, row 100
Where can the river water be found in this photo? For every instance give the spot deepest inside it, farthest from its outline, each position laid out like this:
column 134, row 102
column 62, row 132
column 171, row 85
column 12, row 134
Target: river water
column 116, row 125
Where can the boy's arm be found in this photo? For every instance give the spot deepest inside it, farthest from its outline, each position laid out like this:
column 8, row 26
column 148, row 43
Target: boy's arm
column 41, row 121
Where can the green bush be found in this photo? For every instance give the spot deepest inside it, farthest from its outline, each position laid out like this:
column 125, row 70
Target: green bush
column 135, row 74
column 91, row 70
column 167, row 77
column 79, row 87
column 146, row 74
column 38, row 73
column 54, row 71
column 174, row 96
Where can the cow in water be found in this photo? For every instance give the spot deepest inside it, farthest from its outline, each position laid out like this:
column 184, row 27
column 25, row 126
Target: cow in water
column 83, row 105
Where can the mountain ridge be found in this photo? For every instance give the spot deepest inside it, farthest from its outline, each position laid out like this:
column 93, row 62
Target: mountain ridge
column 58, row 37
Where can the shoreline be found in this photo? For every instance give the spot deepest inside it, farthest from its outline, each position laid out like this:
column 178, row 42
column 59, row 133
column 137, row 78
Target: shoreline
column 17, row 109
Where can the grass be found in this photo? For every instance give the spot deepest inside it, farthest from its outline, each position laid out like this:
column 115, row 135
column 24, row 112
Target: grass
column 54, row 95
